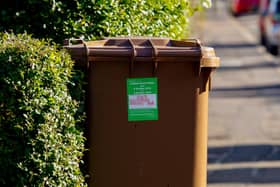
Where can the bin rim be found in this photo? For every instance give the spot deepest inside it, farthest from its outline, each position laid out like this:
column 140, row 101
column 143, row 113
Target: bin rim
column 144, row 48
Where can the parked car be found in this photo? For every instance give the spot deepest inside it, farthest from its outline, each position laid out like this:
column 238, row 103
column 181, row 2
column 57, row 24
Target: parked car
column 269, row 25
column 243, row 6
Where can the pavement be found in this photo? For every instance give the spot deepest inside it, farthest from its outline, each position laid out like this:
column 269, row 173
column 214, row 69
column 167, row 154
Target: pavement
column 244, row 104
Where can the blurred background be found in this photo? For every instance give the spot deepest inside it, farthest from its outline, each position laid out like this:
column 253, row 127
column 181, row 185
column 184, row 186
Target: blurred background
column 244, row 105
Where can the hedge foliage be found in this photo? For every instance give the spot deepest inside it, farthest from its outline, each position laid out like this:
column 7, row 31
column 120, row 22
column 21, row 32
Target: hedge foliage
column 40, row 143
column 91, row 19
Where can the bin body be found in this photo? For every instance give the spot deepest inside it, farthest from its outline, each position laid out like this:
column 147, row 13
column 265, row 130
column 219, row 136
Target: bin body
column 168, row 152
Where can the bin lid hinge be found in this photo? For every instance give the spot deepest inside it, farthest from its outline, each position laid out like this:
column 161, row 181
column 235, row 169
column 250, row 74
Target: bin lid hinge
column 86, row 53
column 154, row 57
column 133, row 55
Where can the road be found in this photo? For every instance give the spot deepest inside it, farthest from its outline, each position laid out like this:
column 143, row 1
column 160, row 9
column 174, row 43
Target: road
column 244, row 104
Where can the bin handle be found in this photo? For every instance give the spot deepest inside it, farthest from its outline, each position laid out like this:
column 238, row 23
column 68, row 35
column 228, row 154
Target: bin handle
column 68, row 42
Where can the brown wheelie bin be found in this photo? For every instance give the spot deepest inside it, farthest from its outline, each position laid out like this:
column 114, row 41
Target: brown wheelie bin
column 147, row 110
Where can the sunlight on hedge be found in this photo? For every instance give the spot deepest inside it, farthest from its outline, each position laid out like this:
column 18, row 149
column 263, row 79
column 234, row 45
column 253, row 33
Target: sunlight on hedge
column 40, row 143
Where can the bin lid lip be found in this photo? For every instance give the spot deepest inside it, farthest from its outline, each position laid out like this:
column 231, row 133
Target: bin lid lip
column 139, row 46
column 134, row 42
column 144, row 47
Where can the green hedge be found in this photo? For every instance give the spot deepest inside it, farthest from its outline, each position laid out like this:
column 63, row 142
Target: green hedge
column 91, row 19
column 40, row 143
column 129, row 18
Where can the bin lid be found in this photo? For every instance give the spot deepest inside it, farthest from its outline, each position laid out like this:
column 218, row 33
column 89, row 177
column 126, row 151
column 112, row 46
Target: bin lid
column 142, row 49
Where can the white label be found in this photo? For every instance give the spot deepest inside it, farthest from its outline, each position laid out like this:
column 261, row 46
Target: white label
column 142, row 101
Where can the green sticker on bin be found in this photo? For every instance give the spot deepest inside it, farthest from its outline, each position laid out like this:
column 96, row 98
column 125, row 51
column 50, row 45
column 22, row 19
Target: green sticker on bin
column 142, row 95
